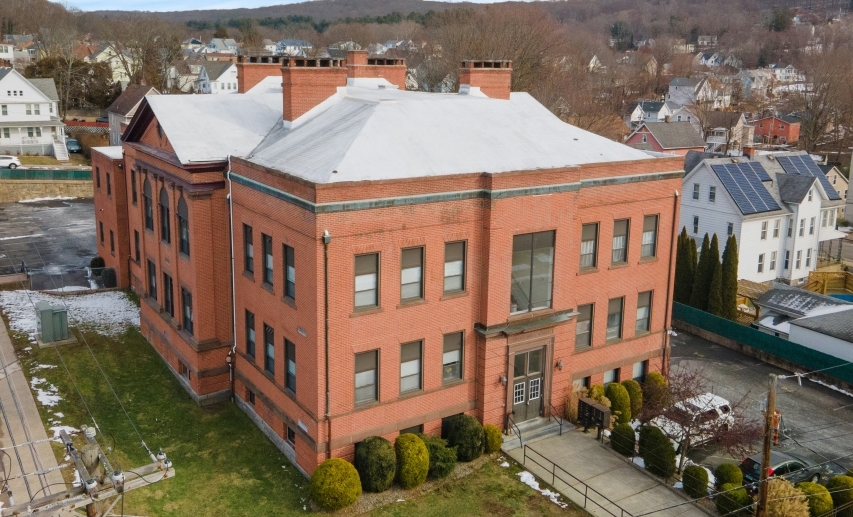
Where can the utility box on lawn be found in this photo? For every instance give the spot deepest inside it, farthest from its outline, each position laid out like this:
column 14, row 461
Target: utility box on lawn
column 52, row 322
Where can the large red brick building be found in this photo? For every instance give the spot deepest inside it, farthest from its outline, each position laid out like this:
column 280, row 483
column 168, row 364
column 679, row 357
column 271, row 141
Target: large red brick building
column 371, row 260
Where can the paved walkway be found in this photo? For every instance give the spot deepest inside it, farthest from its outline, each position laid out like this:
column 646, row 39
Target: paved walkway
column 624, row 484
column 24, row 426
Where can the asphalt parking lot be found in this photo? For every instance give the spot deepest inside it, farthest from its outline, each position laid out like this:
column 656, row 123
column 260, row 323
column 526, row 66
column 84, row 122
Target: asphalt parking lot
column 817, row 421
column 54, row 239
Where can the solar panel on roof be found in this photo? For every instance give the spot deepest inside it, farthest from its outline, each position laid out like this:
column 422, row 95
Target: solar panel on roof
column 803, row 165
column 743, row 183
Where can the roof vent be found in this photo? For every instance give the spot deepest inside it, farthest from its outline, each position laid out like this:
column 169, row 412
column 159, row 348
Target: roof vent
column 770, row 157
column 734, row 160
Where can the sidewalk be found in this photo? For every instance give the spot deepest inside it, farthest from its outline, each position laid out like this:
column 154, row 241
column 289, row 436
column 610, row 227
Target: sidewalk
column 625, row 485
column 24, row 425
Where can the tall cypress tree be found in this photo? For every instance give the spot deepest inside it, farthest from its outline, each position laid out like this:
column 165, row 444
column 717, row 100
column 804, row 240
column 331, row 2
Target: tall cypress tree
column 704, row 275
column 728, row 287
column 715, row 296
column 685, row 269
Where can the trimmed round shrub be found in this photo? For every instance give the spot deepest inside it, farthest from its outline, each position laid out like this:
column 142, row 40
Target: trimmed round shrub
column 655, row 378
column 635, row 393
column 658, row 453
column 412, row 460
column 442, row 459
column 466, row 434
column 841, row 489
column 695, row 481
column 732, row 500
column 109, row 276
column 335, row 484
column 376, row 463
column 643, row 438
column 619, row 401
column 597, row 393
column 818, row 498
column 96, row 264
column 494, row 439
column 623, row 439
column 728, row 474
column 785, row 500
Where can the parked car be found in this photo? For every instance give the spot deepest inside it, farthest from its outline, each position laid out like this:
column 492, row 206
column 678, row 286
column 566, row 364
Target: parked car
column 10, row 162
column 73, row 145
column 785, row 465
column 102, row 119
column 708, row 411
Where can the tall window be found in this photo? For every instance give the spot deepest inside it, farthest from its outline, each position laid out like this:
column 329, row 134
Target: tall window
column 168, row 299
column 532, row 271
column 183, row 226
column 696, row 224
column 763, row 230
column 638, row 371
column 619, row 252
column 250, row 334
column 790, row 227
column 772, row 261
column 149, row 207
column 266, row 248
column 811, row 194
column 269, row 349
column 367, row 280
column 776, row 224
column 101, row 231
column 808, row 257
column 787, row 259
column 152, row 280
column 248, row 249
column 290, row 365
column 583, row 327
column 187, row 303
column 811, row 226
column 366, row 378
column 802, row 227
column 136, row 245
column 165, row 226
column 289, row 273
column 614, row 318
column 109, row 185
column 824, row 215
column 410, row 367
column 644, row 311
column 730, row 229
column 133, row 185
column 454, row 266
column 650, row 236
column 589, row 244
column 761, row 263
column 799, row 259
column 97, row 176
column 695, row 191
column 451, row 361
column 412, row 274
column 712, row 194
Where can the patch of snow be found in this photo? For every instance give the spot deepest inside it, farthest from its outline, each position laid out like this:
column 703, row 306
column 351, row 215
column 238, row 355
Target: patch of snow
column 37, row 199
column 68, row 289
column 712, row 481
column 639, row 462
column 845, row 229
column 28, row 349
column 606, row 433
column 20, row 237
column 530, row 480
column 44, row 366
column 59, row 428
column 107, row 312
column 505, row 464
column 678, row 484
column 830, row 386
column 47, row 396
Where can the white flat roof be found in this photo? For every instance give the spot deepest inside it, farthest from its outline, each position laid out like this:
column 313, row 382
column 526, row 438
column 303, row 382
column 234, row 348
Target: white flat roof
column 113, row 152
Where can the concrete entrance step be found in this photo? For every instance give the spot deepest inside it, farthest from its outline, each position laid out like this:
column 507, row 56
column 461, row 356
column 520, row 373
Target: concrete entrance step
column 532, row 431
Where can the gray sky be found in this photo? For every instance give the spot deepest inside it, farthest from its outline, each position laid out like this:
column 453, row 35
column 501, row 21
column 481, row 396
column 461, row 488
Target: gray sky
column 182, row 5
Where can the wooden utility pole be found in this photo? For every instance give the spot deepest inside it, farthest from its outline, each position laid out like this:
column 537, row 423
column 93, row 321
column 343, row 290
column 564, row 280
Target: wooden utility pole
column 769, row 413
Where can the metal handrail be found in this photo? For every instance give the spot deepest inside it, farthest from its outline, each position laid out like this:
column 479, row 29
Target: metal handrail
column 553, row 413
column 514, row 428
column 575, row 481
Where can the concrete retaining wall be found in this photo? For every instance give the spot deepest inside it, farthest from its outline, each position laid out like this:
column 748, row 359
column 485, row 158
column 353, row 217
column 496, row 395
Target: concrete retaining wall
column 12, row 191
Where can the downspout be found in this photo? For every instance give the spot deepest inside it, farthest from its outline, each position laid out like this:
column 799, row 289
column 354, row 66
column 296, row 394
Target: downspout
column 669, row 286
column 233, row 352
column 327, row 238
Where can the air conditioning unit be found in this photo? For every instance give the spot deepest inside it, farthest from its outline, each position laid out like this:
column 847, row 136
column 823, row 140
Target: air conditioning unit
column 52, row 322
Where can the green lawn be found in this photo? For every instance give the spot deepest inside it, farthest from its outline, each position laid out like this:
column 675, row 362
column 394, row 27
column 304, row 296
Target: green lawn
column 76, row 159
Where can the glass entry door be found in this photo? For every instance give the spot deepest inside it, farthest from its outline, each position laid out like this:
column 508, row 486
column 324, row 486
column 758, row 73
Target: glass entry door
column 527, row 383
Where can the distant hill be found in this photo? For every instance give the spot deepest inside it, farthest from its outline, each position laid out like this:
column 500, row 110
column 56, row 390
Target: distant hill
column 317, row 9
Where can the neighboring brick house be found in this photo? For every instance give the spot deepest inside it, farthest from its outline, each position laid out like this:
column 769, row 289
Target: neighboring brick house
column 777, row 130
column 666, row 137
column 388, row 271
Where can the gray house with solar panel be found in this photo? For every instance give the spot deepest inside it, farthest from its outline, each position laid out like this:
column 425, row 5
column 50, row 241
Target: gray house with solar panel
column 779, row 206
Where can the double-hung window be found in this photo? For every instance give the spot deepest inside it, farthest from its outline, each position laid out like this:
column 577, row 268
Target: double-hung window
column 614, row 318
column 802, row 232
column 366, row 377
column 776, row 224
column 644, row 311
column 696, row 191
column 412, row 274
column 183, row 226
column 808, row 257
column 152, row 280
column 109, row 185
column 712, row 194
column 650, row 236
column 790, row 227
column 638, row 371
column 761, row 263
column 799, row 259
column 266, row 245
column 367, row 280
column 787, row 263
column 133, row 185
column 136, row 250
column 289, row 273
column 696, row 224
column 772, row 261
column 290, row 365
column 168, row 300
column 149, row 207
column 583, row 327
column 763, row 230
column 248, row 249
column 165, row 226
column 619, row 254
column 451, row 360
column 269, row 349
column 187, row 304
column 811, row 226
column 589, row 244
column 410, row 366
column 532, row 271
column 454, row 266
column 250, row 334
column 824, row 215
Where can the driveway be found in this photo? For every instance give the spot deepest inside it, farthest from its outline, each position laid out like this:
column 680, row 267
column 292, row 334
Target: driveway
column 817, row 422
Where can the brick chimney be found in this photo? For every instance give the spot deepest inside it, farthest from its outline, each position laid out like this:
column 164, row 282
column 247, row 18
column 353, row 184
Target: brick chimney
column 253, row 69
column 308, row 82
column 392, row 70
column 492, row 77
